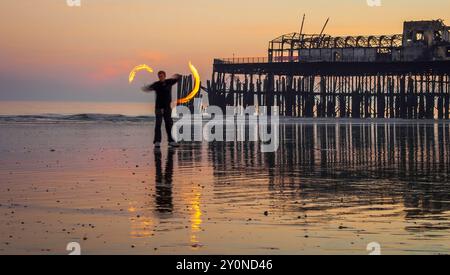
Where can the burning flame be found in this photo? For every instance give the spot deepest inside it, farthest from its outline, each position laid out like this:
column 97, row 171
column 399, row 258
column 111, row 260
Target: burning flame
column 196, row 89
column 138, row 69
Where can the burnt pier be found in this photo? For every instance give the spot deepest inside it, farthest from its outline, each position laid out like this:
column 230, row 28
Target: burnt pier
column 389, row 76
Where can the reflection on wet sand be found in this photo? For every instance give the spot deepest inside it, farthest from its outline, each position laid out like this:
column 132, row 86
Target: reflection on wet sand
column 192, row 159
column 331, row 188
column 368, row 178
column 163, row 183
column 164, row 205
column 196, row 219
column 142, row 223
column 327, row 166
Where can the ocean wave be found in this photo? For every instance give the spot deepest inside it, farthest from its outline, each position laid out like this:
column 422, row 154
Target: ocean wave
column 75, row 118
column 55, row 118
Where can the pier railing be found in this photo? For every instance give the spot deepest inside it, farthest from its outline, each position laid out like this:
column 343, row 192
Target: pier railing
column 303, row 59
column 241, row 60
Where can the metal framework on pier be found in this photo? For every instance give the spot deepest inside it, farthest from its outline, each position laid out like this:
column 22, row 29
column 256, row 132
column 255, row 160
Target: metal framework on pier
column 387, row 76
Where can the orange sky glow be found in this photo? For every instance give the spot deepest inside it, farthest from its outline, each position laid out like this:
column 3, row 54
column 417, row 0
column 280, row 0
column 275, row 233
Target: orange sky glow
column 87, row 52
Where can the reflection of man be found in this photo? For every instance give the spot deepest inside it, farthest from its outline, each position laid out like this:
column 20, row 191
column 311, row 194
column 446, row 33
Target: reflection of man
column 163, row 89
column 163, row 182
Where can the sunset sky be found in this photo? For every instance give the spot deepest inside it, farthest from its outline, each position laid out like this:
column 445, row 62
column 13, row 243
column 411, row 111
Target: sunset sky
column 50, row 51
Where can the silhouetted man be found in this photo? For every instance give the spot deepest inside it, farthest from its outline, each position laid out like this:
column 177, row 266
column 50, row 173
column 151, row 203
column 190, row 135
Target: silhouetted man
column 163, row 110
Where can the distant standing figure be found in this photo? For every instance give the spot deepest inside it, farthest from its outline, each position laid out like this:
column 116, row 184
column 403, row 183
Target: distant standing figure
column 163, row 110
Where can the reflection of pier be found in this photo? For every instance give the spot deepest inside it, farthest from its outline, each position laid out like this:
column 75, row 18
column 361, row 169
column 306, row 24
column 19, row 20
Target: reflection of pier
column 407, row 163
column 400, row 76
column 407, row 150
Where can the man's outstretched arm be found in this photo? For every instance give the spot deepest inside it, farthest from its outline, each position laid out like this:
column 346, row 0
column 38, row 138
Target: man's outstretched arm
column 148, row 88
column 174, row 79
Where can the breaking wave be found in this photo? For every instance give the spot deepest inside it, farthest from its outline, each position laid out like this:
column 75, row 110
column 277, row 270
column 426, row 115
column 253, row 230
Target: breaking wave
column 75, row 118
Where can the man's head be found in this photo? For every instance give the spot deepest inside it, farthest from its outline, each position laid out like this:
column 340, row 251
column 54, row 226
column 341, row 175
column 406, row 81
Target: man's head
column 162, row 75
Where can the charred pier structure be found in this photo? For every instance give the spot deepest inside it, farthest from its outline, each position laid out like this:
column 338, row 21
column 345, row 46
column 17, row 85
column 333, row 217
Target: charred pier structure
column 389, row 76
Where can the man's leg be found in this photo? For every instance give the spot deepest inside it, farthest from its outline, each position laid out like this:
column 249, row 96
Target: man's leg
column 159, row 119
column 169, row 123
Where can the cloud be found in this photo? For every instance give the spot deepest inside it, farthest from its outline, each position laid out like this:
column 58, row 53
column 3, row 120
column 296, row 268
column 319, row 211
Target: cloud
column 120, row 68
column 73, row 78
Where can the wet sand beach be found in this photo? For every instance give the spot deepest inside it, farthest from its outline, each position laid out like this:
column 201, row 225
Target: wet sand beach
column 331, row 188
